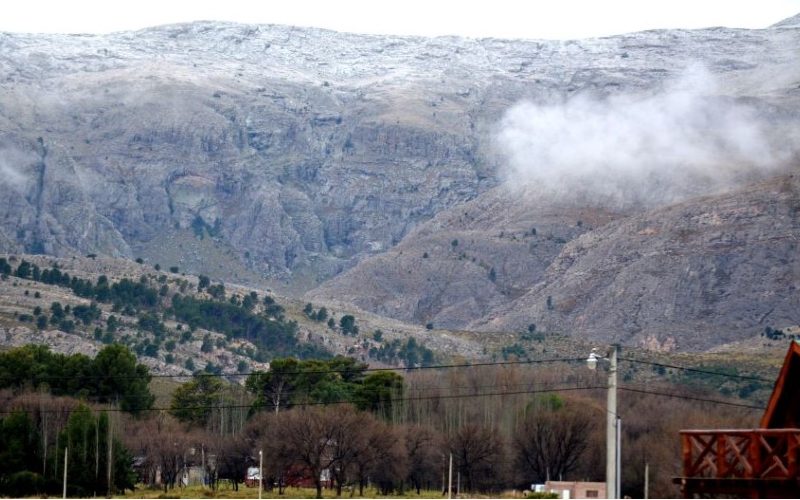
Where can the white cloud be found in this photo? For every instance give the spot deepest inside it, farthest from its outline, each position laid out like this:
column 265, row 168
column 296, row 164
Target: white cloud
column 11, row 159
column 629, row 149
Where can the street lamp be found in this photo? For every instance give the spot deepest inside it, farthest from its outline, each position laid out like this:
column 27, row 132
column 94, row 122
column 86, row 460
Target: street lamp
column 613, row 422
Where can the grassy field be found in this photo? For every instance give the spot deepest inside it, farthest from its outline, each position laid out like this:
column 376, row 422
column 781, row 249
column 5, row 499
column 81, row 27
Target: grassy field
column 226, row 491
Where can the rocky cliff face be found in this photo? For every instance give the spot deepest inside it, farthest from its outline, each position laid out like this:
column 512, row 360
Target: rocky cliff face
column 299, row 150
column 295, row 154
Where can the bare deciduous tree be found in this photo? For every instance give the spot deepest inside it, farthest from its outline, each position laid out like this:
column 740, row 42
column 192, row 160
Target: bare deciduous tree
column 232, row 456
column 424, row 452
column 162, row 443
column 550, row 440
column 352, row 432
column 306, row 435
column 389, row 465
column 478, row 452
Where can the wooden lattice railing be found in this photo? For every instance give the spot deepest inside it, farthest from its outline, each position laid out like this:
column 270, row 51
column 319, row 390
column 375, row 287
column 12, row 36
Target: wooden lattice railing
column 741, row 454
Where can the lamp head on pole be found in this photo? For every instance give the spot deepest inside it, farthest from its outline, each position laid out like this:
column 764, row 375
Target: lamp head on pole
column 591, row 361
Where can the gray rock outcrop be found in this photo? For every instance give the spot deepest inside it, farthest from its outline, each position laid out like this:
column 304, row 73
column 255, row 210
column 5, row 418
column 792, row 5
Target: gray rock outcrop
column 305, row 155
column 300, row 151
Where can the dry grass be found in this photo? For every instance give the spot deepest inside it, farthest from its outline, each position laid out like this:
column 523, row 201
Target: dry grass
column 226, row 491
column 162, row 389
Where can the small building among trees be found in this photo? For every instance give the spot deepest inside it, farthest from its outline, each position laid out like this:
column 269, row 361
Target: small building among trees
column 576, row 489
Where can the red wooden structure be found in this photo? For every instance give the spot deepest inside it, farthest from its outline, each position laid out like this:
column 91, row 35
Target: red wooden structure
column 755, row 463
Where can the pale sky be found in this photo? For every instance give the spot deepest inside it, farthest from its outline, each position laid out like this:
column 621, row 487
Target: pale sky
column 553, row 19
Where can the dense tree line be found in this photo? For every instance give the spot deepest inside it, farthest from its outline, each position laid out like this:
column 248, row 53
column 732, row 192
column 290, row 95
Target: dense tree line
column 37, row 434
column 42, row 426
column 113, row 376
column 290, row 382
column 501, row 425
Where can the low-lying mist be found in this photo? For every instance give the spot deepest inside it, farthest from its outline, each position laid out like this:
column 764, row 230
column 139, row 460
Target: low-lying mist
column 12, row 163
column 632, row 150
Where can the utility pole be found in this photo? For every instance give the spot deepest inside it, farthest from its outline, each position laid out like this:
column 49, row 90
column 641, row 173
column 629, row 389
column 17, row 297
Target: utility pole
column 260, row 472
column 618, row 459
column 110, row 455
column 444, row 473
column 450, row 479
column 66, row 457
column 96, row 453
column 611, row 427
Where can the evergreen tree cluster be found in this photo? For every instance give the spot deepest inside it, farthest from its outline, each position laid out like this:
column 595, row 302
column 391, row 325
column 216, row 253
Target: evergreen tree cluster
column 290, row 381
column 269, row 330
column 347, row 325
column 113, row 376
column 85, row 439
column 410, row 353
column 236, row 321
column 319, row 315
column 124, row 293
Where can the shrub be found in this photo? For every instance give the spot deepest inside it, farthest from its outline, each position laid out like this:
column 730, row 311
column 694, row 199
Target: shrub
column 348, row 324
column 203, row 282
column 22, row 484
column 208, row 345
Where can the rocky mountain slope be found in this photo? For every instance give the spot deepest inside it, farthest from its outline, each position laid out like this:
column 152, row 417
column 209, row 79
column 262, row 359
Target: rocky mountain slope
column 466, row 261
column 694, row 275
column 279, row 156
column 299, row 151
column 690, row 276
column 28, row 315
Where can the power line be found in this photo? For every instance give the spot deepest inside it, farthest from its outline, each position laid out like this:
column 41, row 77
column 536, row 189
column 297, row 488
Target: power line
column 423, row 398
column 341, row 401
column 698, row 370
column 394, row 369
column 431, row 367
column 354, row 371
column 691, row 398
